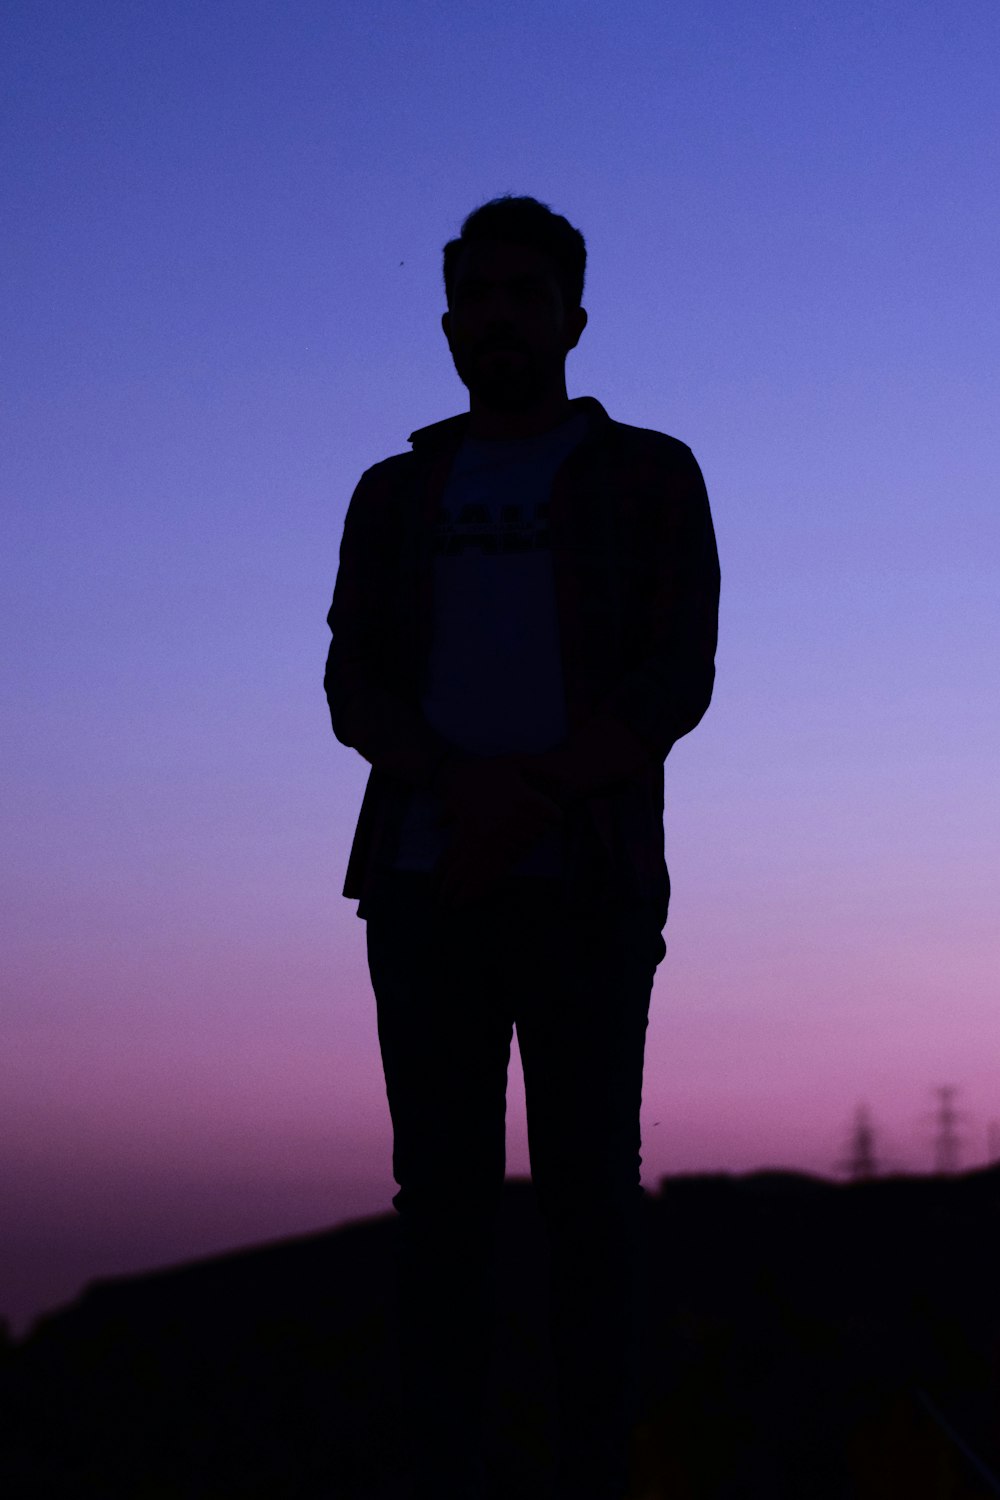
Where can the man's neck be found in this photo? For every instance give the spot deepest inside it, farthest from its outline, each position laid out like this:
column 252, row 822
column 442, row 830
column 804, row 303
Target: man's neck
column 486, row 422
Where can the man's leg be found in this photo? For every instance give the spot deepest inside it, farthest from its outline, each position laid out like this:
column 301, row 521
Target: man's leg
column 581, row 1008
column 445, row 1052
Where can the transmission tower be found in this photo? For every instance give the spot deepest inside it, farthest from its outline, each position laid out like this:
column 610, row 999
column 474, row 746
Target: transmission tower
column 861, row 1163
column 946, row 1144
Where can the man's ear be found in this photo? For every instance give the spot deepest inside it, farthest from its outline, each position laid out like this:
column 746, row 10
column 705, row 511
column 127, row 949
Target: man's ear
column 576, row 322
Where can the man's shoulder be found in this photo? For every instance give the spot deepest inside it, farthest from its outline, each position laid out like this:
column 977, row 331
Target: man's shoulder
column 647, row 445
column 386, row 469
column 427, row 444
column 384, row 479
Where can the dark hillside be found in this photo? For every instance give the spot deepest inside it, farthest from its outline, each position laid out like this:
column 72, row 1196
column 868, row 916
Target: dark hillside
column 807, row 1339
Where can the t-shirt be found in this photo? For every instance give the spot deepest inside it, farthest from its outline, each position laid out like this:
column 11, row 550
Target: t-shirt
column 494, row 682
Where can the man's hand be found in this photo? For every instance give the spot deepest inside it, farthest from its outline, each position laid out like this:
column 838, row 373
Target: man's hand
column 599, row 754
column 495, row 816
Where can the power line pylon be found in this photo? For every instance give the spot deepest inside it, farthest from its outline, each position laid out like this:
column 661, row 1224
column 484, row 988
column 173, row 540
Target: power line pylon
column 946, row 1145
column 861, row 1163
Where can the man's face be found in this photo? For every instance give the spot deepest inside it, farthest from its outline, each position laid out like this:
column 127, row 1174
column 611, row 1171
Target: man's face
column 507, row 328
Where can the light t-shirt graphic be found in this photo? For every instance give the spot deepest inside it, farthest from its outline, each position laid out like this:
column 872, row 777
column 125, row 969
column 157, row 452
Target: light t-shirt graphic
column 495, row 677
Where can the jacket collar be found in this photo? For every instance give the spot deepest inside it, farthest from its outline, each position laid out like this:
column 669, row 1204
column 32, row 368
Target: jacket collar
column 452, row 430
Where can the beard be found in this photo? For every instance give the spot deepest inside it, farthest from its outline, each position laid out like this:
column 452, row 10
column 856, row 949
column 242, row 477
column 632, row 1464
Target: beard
column 505, row 384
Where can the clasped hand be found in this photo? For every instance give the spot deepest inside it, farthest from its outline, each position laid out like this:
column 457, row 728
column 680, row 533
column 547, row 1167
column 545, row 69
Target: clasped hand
column 495, row 814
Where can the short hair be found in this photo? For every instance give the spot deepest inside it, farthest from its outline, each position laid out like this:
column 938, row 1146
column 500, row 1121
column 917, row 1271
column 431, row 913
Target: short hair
column 524, row 221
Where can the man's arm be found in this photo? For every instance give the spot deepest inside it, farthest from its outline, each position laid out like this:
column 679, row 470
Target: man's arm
column 365, row 713
column 665, row 694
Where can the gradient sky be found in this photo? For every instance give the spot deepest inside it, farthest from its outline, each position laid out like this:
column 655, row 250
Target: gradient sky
column 222, row 262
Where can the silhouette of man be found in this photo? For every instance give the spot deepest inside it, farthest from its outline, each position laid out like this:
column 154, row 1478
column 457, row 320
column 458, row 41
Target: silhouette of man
column 524, row 622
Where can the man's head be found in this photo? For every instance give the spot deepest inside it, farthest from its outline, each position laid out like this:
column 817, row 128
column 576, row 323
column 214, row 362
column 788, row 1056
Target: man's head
column 513, row 281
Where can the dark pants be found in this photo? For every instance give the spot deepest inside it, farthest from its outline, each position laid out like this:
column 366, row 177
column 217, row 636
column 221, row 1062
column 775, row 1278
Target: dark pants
column 449, row 989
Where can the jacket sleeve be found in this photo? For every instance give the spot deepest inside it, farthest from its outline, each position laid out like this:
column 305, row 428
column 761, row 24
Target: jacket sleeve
column 664, row 695
column 667, row 692
column 368, row 711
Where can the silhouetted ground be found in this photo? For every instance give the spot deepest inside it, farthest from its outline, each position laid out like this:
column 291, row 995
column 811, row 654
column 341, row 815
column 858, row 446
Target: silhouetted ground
column 806, row 1338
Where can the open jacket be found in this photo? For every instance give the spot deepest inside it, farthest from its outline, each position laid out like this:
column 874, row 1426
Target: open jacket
column 636, row 576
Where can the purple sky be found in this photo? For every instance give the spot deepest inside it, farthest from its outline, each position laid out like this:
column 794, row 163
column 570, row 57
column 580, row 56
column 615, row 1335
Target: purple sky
column 223, row 263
